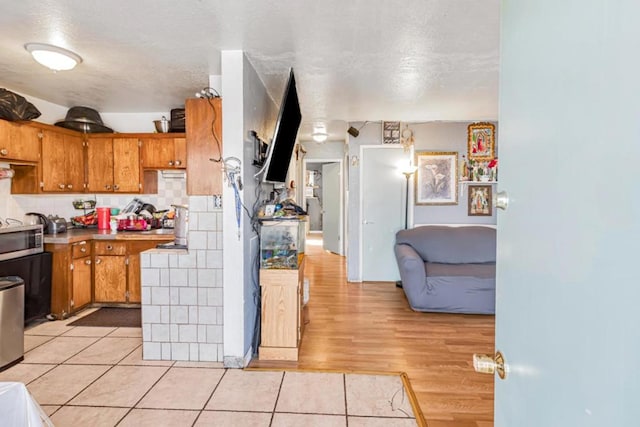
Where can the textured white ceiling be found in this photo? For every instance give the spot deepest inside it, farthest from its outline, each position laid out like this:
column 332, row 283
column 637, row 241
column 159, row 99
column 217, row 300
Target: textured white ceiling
column 409, row 60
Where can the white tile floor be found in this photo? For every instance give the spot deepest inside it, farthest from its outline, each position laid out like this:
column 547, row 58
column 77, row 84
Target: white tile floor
column 96, row 376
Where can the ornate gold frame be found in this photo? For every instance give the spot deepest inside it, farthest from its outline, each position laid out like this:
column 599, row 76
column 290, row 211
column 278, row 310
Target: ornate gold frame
column 488, row 130
column 470, row 199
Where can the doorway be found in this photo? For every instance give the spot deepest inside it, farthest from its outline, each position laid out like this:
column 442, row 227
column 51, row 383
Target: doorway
column 324, row 201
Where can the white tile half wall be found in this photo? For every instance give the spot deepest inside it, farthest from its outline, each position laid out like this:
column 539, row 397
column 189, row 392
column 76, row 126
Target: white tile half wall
column 182, row 313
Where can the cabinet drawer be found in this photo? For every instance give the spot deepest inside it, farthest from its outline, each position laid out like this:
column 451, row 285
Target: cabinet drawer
column 80, row 249
column 109, row 248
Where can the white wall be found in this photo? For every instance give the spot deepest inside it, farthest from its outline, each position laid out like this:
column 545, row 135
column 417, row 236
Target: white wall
column 246, row 106
column 119, row 122
column 51, row 112
column 232, row 62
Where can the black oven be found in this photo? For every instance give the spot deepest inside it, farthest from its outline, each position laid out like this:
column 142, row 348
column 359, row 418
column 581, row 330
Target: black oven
column 22, row 254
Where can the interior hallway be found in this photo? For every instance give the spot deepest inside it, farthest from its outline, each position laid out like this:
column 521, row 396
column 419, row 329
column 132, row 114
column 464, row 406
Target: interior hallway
column 369, row 326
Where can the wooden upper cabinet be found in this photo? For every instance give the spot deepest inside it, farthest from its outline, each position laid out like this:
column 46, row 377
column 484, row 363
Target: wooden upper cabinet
column 113, row 165
column 99, row 165
column 53, row 162
column 164, row 153
column 62, row 162
column 180, row 149
column 126, row 165
column 204, row 142
column 19, row 142
column 74, row 163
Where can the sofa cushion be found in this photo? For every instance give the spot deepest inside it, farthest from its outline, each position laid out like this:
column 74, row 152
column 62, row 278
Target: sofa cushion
column 481, row 271
column 451, row 245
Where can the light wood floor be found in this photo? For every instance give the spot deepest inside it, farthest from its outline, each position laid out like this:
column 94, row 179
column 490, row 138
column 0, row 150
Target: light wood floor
column 369, row 327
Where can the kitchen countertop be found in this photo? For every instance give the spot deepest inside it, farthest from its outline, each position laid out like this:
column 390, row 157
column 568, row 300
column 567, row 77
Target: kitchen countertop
column 79, row 234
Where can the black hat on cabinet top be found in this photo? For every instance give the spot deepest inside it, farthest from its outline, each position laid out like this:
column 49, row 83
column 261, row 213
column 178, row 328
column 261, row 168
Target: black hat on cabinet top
column 84, row 119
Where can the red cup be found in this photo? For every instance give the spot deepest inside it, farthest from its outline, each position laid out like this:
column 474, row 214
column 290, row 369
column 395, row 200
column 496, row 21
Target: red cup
column 104, row 216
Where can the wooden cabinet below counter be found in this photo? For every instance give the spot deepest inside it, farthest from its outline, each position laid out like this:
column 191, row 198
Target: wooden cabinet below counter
column 282, row 320
column 71, row 277
column 116, row 274
column 98, row 271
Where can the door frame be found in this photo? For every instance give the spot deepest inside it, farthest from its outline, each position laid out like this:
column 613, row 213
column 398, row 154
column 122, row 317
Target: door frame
column 341, row 230
column 361, row 201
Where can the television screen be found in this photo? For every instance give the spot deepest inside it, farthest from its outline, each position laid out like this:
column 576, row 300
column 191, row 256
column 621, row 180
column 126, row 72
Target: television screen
column 284, row 135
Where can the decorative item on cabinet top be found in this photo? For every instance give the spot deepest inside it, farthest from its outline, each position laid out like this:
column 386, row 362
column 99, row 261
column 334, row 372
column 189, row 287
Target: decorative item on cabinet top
column 85, row 120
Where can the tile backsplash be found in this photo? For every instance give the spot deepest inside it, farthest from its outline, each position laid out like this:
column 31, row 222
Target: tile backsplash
column 171, row 190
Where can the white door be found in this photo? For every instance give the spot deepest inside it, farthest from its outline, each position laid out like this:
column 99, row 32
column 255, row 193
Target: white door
column 331, row 212
column 568, row 286
column 382, row 210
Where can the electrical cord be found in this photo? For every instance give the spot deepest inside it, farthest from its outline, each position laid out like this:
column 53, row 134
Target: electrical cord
column 213, row 129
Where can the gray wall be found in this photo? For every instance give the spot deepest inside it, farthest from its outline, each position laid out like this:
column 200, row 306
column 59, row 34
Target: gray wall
column 260, row 114
column 447, row 136
column 433, row 136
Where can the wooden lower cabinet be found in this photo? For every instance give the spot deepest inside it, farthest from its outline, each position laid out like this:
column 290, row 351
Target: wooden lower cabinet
column 71, row 277
column 103, row 272
column 116, row 274
column 81, row 282
column 281, row 310
column 110, row 278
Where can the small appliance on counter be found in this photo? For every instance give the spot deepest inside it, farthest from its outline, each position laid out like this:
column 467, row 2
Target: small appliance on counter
column 133, row 207
column 51, row 224
column 181, row 229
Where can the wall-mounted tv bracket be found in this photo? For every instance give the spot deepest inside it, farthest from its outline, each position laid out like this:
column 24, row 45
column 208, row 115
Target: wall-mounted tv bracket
column 260, row 148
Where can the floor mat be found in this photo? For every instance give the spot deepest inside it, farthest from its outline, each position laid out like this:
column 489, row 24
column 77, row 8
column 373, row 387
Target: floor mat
column 111, row 317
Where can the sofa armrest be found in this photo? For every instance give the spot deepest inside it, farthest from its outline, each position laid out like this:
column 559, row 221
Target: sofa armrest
column 412, row 272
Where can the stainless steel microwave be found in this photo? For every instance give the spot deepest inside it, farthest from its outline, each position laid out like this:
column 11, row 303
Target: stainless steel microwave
column 21, row 240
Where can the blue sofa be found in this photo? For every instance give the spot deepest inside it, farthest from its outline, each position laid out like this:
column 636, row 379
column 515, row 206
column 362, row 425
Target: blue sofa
column 448, row 269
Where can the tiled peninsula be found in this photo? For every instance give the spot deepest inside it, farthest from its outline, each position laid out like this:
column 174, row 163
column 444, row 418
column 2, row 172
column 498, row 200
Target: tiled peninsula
column 182, row 313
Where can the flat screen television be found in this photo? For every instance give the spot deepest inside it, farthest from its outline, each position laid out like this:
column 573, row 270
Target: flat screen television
column 284, row 135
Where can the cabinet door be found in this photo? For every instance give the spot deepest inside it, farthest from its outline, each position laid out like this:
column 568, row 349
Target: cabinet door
column 279, row 315
column 135, row 295
column 204, row 177
column 180, row 152
column 19, row 142
column 126, row 165
column 81, row 279
column 158, row 153
column 74, row 164
column 110, row 279
column 53, row 162
column 100, row 165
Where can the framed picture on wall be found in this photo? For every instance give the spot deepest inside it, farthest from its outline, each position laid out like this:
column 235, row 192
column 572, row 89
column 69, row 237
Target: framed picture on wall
column 436, row 179
column 481, row 142
column 391, row 132
column 479, row 202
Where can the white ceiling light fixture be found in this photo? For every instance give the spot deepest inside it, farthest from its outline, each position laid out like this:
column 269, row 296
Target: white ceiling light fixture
column 53, row 57
column 319, row 136
column 319, row 133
